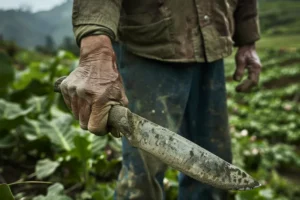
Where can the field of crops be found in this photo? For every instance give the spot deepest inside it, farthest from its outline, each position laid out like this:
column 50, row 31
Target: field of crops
column 44, row 155
column 40, row 141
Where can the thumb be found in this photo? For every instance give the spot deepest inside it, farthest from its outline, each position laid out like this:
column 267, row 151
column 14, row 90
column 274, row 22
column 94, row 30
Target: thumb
column 98, row 119
column 240, row 68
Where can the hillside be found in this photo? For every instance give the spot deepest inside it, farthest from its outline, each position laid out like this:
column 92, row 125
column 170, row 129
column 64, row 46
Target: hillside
column 30, row 29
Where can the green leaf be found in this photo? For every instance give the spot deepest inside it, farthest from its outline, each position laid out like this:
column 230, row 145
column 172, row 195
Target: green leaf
column 82, row 148
column 45, row 168
column 55, row 192
column 106, row 168
column 98, row 143
column 56, row 189
column 7, row 73
column 267, row 193
column 59, row 131
column 105, row 193
column 32, row 129
column 11, row 114
column 34, row 71
column 38, row 103
column 5, row 192
column 7, row 140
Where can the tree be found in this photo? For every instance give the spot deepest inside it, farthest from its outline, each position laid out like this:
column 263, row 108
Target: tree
column 69, row 44
column 49, row 47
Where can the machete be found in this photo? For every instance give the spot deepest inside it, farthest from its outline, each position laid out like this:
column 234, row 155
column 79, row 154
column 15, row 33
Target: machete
column 176, row 151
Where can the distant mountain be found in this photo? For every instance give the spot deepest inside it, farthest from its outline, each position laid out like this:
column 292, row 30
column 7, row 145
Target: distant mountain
column 30, row 29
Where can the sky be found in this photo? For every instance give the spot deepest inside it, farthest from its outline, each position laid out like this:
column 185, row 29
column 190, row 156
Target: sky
column 35, row 5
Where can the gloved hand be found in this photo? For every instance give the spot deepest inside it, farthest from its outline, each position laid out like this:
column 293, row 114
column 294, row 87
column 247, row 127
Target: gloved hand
column 246, row 57
column 95, row 85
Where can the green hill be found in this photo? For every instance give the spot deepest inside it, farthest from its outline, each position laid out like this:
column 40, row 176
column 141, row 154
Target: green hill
column 30, row 29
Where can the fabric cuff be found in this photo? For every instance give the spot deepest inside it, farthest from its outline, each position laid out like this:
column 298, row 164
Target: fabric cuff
column 88, row 30
column 246, row 32
column 92, row 16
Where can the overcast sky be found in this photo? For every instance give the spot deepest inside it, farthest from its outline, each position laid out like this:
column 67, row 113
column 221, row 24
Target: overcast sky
column 35, row 5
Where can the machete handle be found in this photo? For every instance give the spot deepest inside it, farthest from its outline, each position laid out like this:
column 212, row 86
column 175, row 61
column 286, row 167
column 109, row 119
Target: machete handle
column 117, row 117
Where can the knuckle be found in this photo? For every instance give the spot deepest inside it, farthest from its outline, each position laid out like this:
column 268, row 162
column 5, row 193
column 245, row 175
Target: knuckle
column 71, row 87
column 239, row 59
column 81, row 91
column 64, row 84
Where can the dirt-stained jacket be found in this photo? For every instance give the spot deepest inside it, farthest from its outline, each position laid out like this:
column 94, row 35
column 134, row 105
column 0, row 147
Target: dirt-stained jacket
column 171, row 30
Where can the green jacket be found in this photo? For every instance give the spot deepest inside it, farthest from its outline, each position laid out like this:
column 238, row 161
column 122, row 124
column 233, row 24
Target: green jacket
column 171, row 30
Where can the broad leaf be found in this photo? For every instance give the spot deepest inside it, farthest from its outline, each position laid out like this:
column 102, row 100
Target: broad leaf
column 82, row 148
column 59, row 131
column 11, row 114
column 104, row 193
column 5, row 192
column 45, row 168
column 34, row 71
column 98, row 143
column 55, row 192
column 32, row 129
column 6, row 140
column 38, row 103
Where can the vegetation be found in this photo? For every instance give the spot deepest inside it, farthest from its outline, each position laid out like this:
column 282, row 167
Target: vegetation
column 44, row 155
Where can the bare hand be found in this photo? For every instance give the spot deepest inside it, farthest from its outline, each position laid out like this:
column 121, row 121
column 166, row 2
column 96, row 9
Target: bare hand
column 95, row 85
column 246, row 57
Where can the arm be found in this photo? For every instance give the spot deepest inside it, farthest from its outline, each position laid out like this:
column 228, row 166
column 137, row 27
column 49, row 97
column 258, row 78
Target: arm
column 95, row 17
column 245, row 36
column 246, row 23
column 95, row 85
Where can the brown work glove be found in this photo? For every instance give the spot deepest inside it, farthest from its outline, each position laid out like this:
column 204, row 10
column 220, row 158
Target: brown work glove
column 246, row 57
column 95, row 85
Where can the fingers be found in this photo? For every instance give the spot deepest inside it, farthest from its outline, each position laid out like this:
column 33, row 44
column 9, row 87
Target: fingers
column 65, row 94
column 98, row 119
column 80, row 107
column 253, row 77
column 240, row 68
column 254, row 72
column 84, row 113
column 75, row 106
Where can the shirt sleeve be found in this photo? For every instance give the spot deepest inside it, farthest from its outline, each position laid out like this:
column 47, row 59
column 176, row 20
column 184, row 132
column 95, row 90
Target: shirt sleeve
column 94, row 17
column 246, row 23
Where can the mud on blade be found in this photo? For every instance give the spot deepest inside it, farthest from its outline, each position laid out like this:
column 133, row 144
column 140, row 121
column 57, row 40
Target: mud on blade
column 180, row 153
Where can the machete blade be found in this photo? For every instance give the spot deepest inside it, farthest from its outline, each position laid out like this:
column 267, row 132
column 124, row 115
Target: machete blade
column 180, row 153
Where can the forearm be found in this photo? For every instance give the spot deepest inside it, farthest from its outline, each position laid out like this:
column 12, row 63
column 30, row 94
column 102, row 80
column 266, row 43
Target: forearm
column 246, row 23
